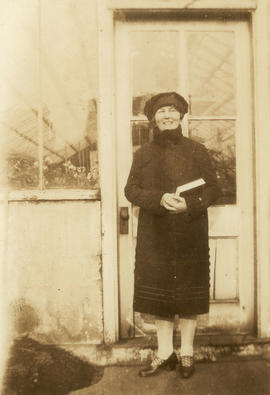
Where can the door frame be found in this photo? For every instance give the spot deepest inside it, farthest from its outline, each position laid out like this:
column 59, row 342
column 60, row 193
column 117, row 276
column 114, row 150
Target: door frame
column 258, row 13
column 237, row 313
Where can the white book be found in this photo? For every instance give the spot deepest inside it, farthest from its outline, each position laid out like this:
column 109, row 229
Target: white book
column 189, row 186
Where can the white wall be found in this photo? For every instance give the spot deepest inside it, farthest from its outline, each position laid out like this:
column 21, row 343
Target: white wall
column 54, row 270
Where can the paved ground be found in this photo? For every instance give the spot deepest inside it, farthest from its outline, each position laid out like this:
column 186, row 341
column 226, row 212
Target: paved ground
column 232, row 377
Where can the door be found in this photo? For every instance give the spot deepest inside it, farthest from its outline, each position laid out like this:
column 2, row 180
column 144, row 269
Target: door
column 208, row 62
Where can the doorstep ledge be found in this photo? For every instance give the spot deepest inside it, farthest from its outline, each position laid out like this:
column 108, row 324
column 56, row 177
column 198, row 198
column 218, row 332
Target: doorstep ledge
column 140, row 350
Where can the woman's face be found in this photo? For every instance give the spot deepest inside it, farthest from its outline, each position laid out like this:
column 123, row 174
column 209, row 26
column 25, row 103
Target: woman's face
column 167, row 117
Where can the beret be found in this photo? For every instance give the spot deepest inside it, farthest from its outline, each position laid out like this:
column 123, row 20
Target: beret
column 165, row 99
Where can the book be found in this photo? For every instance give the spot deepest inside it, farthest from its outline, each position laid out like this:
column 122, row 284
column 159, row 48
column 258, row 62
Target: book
column 189, row 187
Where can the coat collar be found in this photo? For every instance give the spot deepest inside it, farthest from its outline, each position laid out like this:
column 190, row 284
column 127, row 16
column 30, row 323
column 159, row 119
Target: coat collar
column 167, row 137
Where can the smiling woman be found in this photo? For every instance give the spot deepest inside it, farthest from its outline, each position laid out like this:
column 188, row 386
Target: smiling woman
column 172, row 253
column 167, row 117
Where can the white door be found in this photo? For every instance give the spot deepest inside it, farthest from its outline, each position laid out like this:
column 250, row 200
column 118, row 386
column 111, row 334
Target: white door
column 208, row 62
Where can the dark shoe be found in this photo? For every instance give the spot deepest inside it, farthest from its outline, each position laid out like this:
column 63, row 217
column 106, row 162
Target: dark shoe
column 157, row 364
column 187, row 366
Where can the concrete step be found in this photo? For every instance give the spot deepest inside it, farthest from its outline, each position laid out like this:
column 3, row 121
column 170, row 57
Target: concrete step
column 207, row 348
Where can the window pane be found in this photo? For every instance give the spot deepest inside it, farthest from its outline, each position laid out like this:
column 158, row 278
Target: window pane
column 19, row 99
column 211, row 73
column 69, row 51
column 154, row 65
column 219, row 138
column 141, row 134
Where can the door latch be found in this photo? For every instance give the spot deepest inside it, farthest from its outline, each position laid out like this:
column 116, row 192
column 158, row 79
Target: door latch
column 124, row 217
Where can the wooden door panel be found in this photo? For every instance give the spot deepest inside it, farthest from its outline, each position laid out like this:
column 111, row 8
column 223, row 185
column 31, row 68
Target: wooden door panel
column 223, row 269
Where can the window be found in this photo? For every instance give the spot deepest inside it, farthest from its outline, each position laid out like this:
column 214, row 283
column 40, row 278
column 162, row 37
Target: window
column 48, row 113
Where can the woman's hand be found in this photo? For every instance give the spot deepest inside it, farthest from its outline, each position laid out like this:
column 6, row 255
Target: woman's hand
column 173, row 203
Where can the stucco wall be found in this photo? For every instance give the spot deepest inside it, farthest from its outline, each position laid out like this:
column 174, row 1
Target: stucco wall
column 54, row 270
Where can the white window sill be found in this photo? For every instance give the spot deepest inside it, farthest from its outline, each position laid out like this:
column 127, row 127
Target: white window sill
column 182, row 4
column 51, row 194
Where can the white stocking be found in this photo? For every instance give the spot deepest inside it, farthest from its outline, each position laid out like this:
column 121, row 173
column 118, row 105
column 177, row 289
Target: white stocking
column 165, row 338
column 188, row 328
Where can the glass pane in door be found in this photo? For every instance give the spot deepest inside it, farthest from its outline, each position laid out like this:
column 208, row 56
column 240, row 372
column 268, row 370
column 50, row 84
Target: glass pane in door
column 140, row 134
column 211, row 73
column 212, row 106
column 218, row 136
column 154, row 62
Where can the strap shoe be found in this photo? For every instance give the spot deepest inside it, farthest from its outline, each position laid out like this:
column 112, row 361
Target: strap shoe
column 187, row 366
column 157, row 364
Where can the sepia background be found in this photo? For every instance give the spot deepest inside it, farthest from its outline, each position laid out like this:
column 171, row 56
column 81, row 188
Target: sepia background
column 66, row 148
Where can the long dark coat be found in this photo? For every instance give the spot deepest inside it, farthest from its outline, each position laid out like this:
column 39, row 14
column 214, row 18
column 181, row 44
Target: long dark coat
column 172, row 254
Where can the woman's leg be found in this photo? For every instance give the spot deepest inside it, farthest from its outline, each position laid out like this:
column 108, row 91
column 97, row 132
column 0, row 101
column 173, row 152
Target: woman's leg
column 164, row 337
column 187, row 327
column 166, row 358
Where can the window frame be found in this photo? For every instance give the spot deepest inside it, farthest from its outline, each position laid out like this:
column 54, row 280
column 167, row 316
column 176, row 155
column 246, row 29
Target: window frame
column 49, row 194
column 39, row 191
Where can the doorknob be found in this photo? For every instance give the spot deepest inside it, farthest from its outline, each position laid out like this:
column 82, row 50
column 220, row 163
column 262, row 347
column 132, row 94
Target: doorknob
column 124, row 217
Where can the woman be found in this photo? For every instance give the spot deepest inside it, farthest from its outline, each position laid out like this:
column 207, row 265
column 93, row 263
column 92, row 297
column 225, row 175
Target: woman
column 172, row 254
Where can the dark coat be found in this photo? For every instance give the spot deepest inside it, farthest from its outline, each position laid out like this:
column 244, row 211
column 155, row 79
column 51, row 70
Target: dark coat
column 172, row 254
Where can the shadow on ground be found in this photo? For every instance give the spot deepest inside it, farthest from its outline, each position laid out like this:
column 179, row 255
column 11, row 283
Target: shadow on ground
column 34, row 368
